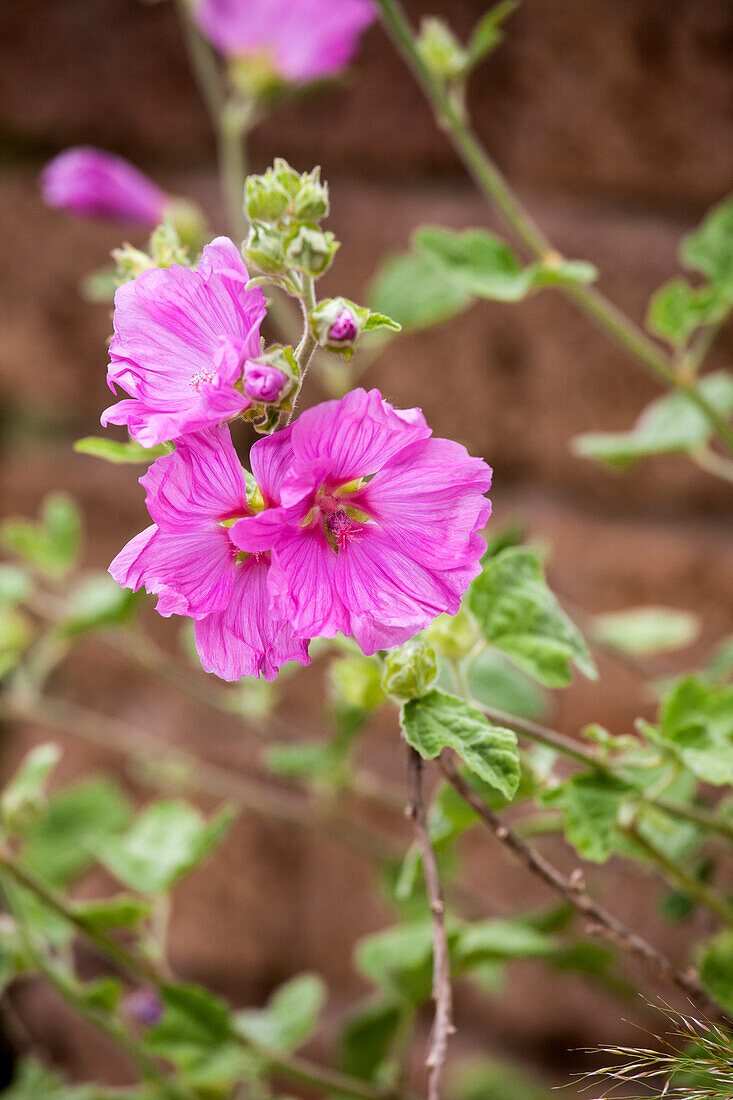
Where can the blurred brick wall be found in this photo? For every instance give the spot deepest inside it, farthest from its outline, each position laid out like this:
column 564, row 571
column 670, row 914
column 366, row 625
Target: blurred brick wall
column 610, row 117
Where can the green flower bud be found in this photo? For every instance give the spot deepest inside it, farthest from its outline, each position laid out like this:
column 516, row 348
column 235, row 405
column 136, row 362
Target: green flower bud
column 311, row 201
column 264, row 248
column 189, row 224
column 357, row 682
column 336, row 323
column 287, row 177
column 311, row 250
column 410, row 671
column 265, row 199
column 255, row 77
column 441, row 51
column 131, row 262
column 453, row 636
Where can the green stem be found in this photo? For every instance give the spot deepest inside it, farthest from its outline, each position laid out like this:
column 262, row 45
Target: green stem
column 681, row 879
column 292, row 1067
column 495, row 187
column 232, row 125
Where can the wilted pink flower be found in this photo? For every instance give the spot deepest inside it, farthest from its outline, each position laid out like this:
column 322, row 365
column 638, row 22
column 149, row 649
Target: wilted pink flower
column 377, row 528
column 96, row 184
column 182, row 336
column 303, row 39
column 188, row 560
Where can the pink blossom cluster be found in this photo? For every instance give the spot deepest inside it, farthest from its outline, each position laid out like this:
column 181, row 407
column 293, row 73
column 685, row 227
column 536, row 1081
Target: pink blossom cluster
column 362, row 522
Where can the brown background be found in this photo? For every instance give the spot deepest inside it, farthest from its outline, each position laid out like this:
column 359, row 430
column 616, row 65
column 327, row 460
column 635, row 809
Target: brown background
column 613, row 120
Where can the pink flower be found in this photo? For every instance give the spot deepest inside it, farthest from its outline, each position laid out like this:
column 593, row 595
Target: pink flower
column 95, row 184
column 182, row 336
column 188, row 560
column 374, row 525
column 304, row 39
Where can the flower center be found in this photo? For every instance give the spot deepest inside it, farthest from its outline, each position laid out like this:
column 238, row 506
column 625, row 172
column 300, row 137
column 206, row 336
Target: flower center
column 340, row 527
column 197, row 380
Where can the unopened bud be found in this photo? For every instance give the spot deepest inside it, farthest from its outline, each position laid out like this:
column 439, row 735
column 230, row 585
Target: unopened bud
column 264, row 248
column 263, row 382
column 441, row 51
column 311, row 201
column 311, row 250
column 336, row 323
column 266, row 199
column 410, row 671
column 453, row 636
column 144, row 1006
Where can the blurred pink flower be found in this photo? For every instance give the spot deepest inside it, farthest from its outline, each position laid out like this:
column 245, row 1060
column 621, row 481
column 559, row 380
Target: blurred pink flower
column 189, row 561
column 96, row 184
column 374, row 526
column 182, row 336
column 304, row 39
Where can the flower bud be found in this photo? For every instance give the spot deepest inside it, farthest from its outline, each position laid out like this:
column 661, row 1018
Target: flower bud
column 357, row 682
column 453, row 636
column 263, row 382
column 336, row 324
column 266, row 199
column 409, row 671
column 264, row 248
column 311, row 201
column 311, row 250
column 270, row 378
column 144, row 1006
column 441, row 51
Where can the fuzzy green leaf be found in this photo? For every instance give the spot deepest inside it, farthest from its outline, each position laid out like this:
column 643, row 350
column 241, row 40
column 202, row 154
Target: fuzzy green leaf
column 641, row 631
column 414, row 290
column 437, row 721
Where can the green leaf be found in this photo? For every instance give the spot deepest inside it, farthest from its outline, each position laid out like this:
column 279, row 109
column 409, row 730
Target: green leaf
column 562, row 272
column 25, row 794
column 591, row 804
column 100, row 285
column 120, row 453
column 641, row 631
column 437, row 721
column 710, row 248
column 16, row 634
column 716, row 969
column 122, row 911
column 97, row 602
column 670, row 425
column 482, row 264
column 486, row 1079
column 289, row 1018
column 367, row 1038
column 518, row 614
column 697, row 725
column 52, row 544
column 377, row 321
column 494, row 681
column 677, row 309
column 500, row 941
column 163, row 844
column 486, row 35
column 105, row 993
column 15, row 585
column 33, row 1081
column 414, row 290
column 399, row 960
column 58, row 845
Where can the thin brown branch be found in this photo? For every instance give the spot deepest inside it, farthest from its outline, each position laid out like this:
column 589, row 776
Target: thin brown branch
column 442, row 992
column 572, row 889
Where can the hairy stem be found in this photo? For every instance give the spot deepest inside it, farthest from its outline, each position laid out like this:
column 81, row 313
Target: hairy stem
column 495, row 187
column 442, row 992
column 572, row 889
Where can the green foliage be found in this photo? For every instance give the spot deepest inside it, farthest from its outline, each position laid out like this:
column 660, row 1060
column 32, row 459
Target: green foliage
column 165, row 842
column 58, row 845
column 438, row 721
column 641, row 631
column 130, row 453
column 413, row 289
column 716, row 968
column 289, row 1018
column 16, row 634
column 591, row 803
column 97, row 602
column 120, row 911
column 33, row 1081
column 486, row 1079
column 518, row 614
column 357, row 681
column 367, row 1038
column 670, row 425
column 23, row 798
column 52, row 544
column 496, row 682
column 677, row 310
column 710, row 248
column 15, row 586
column 696, row 725
column 487, row 33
